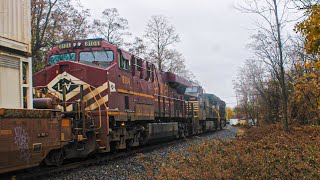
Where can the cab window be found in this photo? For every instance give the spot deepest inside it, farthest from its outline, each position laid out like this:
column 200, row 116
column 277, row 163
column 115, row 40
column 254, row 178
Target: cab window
column 61, row 57
column 124, row 63
column 102, row 58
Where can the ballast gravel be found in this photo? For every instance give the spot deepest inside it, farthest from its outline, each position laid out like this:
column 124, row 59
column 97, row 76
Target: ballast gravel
column 131, row 167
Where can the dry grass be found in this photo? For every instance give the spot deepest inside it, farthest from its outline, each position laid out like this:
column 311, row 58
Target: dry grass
column 261, row 153
column 240, row 132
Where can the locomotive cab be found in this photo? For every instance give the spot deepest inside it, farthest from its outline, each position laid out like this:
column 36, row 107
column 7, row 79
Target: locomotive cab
column 93, row 52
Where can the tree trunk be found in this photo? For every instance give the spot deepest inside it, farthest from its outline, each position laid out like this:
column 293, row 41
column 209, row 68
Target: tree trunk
column 282, row 70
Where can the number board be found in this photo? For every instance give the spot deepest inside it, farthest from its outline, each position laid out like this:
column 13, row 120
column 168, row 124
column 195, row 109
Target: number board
column 92, row 43
column 65, row 45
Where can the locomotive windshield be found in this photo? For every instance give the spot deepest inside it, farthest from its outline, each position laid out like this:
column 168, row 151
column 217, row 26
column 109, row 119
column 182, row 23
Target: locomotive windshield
column 62, row 57
column 98, row 58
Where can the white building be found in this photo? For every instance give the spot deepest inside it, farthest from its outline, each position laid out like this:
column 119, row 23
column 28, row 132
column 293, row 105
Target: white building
column 15, row 52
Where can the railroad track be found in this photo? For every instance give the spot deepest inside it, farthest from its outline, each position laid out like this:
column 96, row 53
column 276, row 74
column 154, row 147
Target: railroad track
column 42, row 172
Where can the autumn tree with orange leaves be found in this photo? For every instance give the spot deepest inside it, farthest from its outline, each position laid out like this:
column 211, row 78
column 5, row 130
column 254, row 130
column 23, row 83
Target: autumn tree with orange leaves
column 307, row 84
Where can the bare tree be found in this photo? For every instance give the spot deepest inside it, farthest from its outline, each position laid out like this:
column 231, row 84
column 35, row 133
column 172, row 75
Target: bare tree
column 175, row 63
column 76, row 27
column 296, row 56
column 305, row 4
column 248, row 85
column 137, row 47
column 112, row 26
column 274, row 15
column 161, row 36
column 171, row 60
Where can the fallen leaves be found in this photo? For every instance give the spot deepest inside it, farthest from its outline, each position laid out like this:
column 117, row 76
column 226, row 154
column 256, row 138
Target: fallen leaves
column 262, row 153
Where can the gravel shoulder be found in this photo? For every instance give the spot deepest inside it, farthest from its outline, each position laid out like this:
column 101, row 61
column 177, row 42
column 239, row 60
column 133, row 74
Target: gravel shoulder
column 132, row 167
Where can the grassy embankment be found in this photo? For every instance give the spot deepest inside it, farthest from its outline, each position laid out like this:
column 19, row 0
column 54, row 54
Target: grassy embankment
column 260, row 153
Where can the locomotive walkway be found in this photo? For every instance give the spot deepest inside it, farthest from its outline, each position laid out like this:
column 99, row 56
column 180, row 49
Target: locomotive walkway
column 133, row 166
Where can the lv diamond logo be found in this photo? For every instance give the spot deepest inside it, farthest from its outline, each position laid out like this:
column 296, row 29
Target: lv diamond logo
column 70, row 86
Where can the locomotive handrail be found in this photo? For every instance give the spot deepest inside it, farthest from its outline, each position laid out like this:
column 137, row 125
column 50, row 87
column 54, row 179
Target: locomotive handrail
column 142, row 67
column 100, row 118
column 169, row 97
column 106, row 107
column 217, row 113
column 107, row 112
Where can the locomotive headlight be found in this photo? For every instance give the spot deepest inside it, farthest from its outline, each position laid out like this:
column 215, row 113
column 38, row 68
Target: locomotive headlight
column 123, row 124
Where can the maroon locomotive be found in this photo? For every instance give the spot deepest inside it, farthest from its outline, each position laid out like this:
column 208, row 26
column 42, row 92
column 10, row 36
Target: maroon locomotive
column 111, row 99
column 106, row 99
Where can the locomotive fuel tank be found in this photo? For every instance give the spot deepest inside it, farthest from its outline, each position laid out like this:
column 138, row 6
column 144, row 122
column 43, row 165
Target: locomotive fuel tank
column 42, row 103
column 162, row 130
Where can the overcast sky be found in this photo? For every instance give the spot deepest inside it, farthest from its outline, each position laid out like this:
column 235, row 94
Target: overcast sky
column 213, row 35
